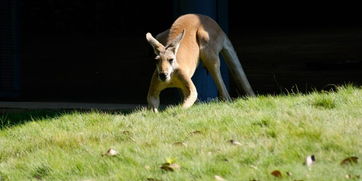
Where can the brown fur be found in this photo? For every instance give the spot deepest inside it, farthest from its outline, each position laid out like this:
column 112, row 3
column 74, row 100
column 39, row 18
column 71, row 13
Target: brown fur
column 178, row 49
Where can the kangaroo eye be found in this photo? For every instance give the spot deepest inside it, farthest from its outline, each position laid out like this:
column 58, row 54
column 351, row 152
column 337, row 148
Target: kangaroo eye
column 171, row 60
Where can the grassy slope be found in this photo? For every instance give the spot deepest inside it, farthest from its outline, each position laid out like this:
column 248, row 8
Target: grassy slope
column 274, row 132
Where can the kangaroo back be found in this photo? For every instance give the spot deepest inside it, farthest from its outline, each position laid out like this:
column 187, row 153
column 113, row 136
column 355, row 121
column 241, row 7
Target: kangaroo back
column 236, row 70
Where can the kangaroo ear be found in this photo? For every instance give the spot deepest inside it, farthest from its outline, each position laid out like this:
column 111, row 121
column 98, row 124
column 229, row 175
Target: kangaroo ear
column 176, row 42
column 157, row 46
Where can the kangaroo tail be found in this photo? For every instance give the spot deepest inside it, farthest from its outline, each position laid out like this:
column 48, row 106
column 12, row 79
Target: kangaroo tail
column 235, row 67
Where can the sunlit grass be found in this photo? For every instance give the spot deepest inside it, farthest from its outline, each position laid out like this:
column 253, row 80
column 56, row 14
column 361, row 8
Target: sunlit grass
column 274, row 132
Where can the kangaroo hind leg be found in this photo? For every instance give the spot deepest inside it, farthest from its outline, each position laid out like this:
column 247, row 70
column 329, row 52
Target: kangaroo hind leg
column 211, row 61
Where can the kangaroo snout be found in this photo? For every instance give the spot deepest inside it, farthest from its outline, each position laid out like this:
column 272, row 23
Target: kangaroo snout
column 163, row 76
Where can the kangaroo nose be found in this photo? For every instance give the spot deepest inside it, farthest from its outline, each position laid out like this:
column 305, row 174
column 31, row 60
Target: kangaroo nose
column 162, row 76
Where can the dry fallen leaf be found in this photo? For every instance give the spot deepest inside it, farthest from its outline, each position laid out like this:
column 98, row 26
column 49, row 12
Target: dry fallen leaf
column 234, row 142
column 219, row 178
column 196, row 132
column 170, row 160
column 349, row 176
column 180, row 144
column 350, row 160
column 126, row 132
column 170, row 167
column 38, row 177
column 276, row 173
column 110, row 152
column 254, row 167
column 153, row 179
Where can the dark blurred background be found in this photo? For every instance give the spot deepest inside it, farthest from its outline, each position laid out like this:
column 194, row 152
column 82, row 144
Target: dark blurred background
column 95, row 51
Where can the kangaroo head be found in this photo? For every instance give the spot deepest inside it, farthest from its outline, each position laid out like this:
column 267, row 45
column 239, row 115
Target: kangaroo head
column 165, row 55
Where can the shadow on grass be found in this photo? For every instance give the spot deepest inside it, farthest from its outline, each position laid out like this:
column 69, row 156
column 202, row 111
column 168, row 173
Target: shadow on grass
column 14, row 118
column 18, row 117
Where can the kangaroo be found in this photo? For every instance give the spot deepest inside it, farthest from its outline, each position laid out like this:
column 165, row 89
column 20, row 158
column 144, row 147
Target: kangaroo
column 178, row 50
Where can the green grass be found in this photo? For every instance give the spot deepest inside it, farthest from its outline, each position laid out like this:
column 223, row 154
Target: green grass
column 275, row 133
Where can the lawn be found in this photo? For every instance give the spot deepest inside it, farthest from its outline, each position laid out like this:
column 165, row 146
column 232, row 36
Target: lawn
column 246, row 139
